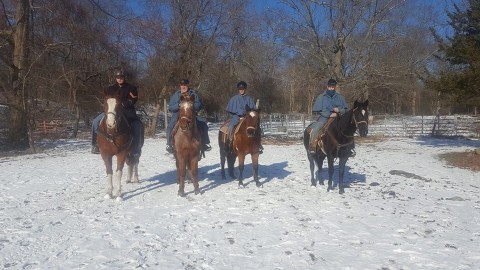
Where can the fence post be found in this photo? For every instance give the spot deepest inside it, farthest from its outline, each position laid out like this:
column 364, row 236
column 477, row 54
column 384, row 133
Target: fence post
column 270, row 123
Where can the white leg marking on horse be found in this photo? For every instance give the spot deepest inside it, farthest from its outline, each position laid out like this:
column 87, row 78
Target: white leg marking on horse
column 118, row 183
column 108, row 195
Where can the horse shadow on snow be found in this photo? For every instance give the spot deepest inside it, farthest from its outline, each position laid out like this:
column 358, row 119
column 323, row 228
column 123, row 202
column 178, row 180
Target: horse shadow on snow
column 212, row 174
column 349, row 177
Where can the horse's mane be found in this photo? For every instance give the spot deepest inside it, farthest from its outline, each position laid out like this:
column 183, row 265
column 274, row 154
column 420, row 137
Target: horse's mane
column 344, row 123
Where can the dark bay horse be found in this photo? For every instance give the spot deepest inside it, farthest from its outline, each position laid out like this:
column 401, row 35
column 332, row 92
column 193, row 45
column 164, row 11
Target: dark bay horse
column 186, row 141
column 337, row 142
column 114, row 138
column 246, row 140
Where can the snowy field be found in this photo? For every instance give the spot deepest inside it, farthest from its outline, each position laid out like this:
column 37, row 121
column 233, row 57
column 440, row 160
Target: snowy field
column 404, row 209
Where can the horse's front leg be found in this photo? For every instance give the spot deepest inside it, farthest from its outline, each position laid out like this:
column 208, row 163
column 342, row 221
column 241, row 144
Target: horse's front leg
column 181, row 172
column 118, row 176
column 194, row 175
column 255, row 168
column 330, row 172
column 241, row 161
column 108, row 166
column 341, row 173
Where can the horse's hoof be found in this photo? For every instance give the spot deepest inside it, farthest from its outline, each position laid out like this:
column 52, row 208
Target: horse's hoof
column 128, row 181
column 258, row 184
column 107, row 196
column 197, row 191
column 313, row 186
column 329, row 189
column 181, row 194
column 341, row 191
column 119, row 199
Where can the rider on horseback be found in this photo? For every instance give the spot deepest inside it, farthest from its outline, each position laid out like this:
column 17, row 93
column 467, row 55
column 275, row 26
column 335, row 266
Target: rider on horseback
column 236, row 108
column 129, row 96
column 327, row 105
column 173, row 108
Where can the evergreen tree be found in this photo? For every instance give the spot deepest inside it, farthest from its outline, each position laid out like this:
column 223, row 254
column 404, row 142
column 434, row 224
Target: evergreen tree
column 462, row 54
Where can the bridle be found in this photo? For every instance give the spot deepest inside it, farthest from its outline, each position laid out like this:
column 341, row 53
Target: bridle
column 251, row 128
column 188, row 120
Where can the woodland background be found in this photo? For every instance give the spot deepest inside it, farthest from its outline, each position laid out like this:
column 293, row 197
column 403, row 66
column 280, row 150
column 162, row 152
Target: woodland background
column 409, row 57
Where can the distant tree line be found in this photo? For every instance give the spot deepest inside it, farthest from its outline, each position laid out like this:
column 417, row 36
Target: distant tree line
column 389, row 51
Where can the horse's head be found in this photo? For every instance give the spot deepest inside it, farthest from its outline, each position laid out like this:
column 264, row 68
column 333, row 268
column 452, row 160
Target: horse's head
column 111, row 108
column 360, row 116
column 186, row 112
column 252, row 121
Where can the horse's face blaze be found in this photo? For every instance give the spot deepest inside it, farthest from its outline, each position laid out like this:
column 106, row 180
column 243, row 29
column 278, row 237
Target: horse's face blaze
column 361, row 117
column 252, row 122
column 110, row 113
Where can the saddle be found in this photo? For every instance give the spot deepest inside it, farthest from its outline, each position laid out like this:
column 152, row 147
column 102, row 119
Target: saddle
column 224, row 129
column 318, row 142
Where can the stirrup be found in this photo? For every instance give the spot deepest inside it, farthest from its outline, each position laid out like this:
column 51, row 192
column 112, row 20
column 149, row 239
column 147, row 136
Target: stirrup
column 260, row 149
column 206, row 147
column 169, row 149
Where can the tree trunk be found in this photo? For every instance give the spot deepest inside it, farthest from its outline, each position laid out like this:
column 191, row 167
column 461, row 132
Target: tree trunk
column 18, row 128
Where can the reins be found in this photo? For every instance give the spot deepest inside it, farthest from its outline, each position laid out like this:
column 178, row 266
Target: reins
column 111, row 137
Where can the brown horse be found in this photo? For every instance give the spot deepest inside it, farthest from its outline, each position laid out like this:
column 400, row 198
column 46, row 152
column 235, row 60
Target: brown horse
column 114, row 138
column 186, row 141
column 246, row 140
column 337, row 142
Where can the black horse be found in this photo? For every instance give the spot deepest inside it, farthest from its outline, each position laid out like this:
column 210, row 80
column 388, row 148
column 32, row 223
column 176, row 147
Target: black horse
column 337, row 142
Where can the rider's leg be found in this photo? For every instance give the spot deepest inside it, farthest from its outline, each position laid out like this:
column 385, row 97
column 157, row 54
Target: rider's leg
column 231, row 126
column 137, row 128
column 95, row 123
column 171, row 124
column 203, row 128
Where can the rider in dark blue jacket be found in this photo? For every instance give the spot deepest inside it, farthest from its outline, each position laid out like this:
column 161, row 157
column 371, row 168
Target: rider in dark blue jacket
column 328, row 104
column 173, row 107
column 236, row 108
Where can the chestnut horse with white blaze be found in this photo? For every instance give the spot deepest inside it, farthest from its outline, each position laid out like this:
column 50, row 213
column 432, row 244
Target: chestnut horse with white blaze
column 114, row 138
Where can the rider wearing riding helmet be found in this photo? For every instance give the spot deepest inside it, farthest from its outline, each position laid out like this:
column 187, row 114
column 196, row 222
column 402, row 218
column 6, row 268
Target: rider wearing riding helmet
column 236, row 108
column 128, row 97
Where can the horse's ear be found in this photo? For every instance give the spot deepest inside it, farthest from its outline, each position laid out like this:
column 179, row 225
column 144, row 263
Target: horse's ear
column 366, row 103
column 247, row 108
column 355, row 104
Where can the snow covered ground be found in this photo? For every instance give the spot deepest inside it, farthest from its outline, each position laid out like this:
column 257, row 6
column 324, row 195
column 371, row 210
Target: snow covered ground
column 404, row 209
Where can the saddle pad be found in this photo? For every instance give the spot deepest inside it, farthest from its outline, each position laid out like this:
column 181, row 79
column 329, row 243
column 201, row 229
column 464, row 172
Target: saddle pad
column 224, row 127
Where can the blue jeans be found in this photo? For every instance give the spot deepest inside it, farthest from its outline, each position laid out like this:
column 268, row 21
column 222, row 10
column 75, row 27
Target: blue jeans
column 95, row 123
column 316, row 126
column 233, row 122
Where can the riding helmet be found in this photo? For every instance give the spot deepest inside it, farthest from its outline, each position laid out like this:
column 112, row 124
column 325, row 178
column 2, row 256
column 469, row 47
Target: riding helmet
column 242, row 85
column 119, row 73
column 332, row 82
